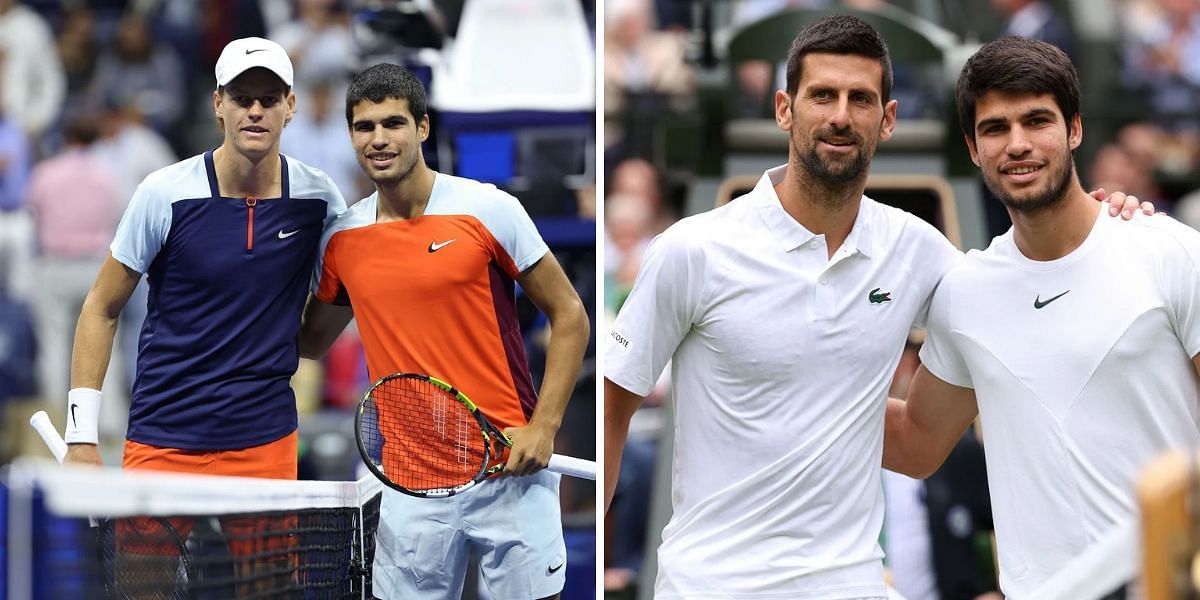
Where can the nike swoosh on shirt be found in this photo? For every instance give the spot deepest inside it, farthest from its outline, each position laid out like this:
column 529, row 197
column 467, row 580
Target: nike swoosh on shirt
column 284, row 236
column 1038, row 303
column 434, row 246
column 553, row 570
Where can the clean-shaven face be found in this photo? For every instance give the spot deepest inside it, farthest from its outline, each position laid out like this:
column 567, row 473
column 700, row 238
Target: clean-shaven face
column 254, row 107
column 386, row 139
column 837, row 117
column 1023, row 146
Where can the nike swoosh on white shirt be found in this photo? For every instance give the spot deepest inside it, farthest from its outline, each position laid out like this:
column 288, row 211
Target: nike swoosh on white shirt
column 284, row 236
column 434, row 246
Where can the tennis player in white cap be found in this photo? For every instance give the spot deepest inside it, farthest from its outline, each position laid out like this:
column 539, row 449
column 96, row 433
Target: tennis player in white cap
column 228, row 240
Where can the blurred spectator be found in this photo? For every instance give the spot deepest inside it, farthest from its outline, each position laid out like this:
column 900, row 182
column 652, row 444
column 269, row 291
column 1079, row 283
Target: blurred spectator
column 629, row 226
column 640, row 60
column 78, row 50
column 1162, row 57
column 318, row 136
column 637, row 177
column 1038, row 20
column 76, row 203
column 224, row 21
column 132, row 151
column 130, row 148
column 16, row 226
column 319, row 42
column 1170, row 153
column 1116, row 167
column 141, row 73
column 33, row 78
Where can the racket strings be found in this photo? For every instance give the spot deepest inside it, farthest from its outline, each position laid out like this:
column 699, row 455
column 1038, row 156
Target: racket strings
column 426, row 438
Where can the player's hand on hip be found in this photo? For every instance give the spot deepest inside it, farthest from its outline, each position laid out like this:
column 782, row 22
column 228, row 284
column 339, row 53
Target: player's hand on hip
column 83, row 454
column 1122, row 203
column 532, row 446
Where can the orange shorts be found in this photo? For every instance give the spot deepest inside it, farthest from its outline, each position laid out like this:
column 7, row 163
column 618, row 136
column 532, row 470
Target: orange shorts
column 246, row 537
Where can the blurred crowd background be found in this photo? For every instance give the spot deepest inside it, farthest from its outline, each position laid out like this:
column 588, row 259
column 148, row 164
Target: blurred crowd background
column 688, row 87
column 97, row 94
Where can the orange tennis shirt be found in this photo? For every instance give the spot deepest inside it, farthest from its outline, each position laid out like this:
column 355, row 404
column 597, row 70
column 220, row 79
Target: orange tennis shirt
column 436, row 294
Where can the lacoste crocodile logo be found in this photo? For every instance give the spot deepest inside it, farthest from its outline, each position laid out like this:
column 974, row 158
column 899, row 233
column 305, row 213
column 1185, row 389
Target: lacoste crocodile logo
column 877, row 297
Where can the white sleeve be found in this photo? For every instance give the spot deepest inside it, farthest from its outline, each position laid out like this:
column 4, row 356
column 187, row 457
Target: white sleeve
column 940, row 353
column 335, row 204
column 937, row 259
column 659, row 312
column 1182, row 285
column 515, row 231
column 143, row 229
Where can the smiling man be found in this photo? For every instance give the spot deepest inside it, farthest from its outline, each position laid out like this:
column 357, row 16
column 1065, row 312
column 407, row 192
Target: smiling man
column 784, row 314
column 427, row 266
column 762, row 305
column 1074, row 397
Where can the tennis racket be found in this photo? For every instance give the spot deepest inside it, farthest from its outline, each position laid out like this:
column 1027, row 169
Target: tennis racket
column 41, row 423
column 421, row 436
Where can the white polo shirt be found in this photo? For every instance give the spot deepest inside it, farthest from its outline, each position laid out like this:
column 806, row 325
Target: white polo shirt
column 1077, row 395
column 781, row 363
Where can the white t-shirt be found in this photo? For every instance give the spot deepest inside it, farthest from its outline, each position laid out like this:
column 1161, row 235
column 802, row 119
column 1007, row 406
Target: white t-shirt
column 1074, row 396
column 781, row 360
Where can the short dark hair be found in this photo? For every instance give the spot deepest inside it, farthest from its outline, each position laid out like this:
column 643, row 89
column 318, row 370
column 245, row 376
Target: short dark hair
column 1017, row 65
column 382, row 81
column 839, row 34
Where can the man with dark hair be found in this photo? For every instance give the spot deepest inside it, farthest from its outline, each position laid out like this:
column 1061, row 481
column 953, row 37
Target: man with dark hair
column 427, row 266
column 784, row 314
column 1023, row 335
column 761, row 304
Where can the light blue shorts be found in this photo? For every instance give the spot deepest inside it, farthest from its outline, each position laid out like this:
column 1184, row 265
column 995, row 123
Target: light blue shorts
column 512, row 525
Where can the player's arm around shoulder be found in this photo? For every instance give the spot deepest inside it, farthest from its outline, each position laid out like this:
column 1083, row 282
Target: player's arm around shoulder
column 920, row 433
column 548, row 287
column 320, row 326
column 90, row 355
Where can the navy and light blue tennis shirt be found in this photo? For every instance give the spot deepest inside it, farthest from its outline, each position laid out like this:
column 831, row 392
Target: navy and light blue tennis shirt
column 228, row 280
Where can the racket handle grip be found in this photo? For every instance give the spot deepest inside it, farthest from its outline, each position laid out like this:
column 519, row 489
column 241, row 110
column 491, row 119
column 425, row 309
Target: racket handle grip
column 41, row 422
column 575, row 467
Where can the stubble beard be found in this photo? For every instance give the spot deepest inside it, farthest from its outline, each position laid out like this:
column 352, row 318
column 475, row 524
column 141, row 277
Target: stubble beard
column 830, row 173
column 405, row 170
column 830, row 176
column 1060, row 180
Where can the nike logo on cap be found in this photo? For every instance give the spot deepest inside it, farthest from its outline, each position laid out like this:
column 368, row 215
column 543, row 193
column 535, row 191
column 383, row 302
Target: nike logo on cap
column 284, row 236
column 1038, row 303
column 434, row 246
column 249, row 51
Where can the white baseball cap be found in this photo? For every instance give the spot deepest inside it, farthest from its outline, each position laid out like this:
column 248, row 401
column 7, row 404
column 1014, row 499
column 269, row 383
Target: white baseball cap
column 247, row 53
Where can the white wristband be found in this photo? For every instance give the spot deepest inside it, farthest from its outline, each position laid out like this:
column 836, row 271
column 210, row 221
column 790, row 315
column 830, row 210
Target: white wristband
column 83, row 416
